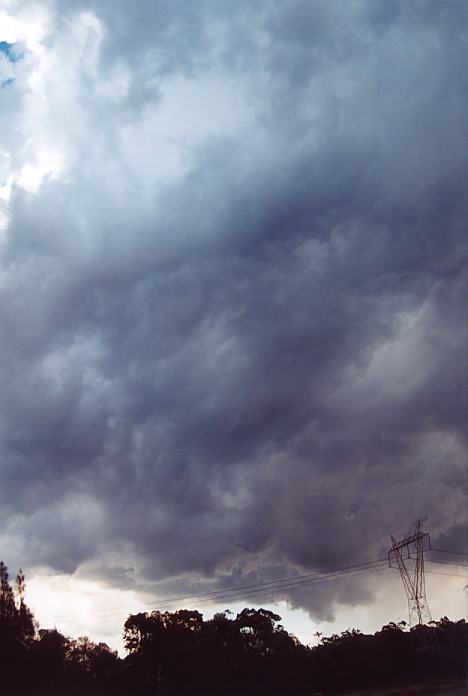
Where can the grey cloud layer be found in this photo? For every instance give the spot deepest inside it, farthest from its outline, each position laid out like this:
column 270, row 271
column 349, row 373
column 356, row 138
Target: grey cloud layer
column 263, row 368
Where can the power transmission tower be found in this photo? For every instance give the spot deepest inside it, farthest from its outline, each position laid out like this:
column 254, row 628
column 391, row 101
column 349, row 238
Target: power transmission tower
column 412, row 548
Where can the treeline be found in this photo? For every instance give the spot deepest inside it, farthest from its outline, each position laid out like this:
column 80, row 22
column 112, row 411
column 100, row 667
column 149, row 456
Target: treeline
column 251, row 653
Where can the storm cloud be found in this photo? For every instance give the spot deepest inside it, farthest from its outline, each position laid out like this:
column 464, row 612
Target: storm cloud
column 233, row 286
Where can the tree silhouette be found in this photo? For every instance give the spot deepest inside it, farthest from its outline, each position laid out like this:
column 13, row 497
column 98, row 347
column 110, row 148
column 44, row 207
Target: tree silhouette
column 181, row 653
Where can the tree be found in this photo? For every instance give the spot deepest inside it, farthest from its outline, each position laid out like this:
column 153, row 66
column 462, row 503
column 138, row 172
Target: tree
column 7, row 598
column 27, row 625
column 16, row 621
column 17, row 630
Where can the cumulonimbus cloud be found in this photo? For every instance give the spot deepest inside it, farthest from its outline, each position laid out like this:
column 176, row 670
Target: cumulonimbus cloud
column 233, row 280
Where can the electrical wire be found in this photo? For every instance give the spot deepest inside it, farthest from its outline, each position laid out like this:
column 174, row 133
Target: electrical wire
column 457, row 553
column 289, row 583
column 240, row 597
column 449, row 575
column 431, row 560
column 254, row 588
column 438, row 572
column 449, row 563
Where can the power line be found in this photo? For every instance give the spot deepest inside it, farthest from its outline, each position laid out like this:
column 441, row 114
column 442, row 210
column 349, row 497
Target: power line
column 449, row 575
column 438, row 572
column 285, row 586
column 239, row 592
column 378, row 566
column 288, row 583
column 449, row 563
column 236, row 594
column 457, row 553
column 272, row 585
column 453, row 575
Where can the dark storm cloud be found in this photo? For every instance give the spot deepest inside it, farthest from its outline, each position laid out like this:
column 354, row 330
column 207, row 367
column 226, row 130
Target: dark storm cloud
column 263, row 369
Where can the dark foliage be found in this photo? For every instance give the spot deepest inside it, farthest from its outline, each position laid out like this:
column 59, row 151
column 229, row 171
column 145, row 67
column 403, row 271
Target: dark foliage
column 180, row 653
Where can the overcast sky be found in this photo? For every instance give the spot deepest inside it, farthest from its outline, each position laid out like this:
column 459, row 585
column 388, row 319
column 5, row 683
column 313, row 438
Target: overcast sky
column 233, row 291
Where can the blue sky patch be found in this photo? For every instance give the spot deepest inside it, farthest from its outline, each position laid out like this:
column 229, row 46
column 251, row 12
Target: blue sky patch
column 8, row 49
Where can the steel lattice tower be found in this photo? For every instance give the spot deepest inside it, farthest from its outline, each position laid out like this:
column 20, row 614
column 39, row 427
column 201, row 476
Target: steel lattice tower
column 413, row 548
